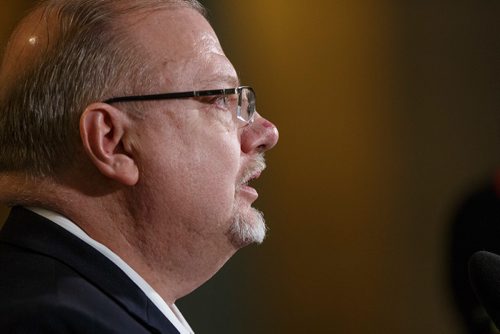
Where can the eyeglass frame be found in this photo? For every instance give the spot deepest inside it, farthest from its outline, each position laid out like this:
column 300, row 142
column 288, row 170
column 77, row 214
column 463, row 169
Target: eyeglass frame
column 196, row 93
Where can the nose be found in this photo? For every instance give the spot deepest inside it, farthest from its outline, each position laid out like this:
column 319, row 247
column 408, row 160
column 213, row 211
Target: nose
column 260, row 136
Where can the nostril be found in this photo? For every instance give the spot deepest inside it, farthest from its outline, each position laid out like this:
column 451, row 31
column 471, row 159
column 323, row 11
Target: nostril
column 262, row 148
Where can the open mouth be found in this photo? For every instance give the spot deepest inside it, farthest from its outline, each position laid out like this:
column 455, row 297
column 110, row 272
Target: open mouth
column 252, row 172
column 246, row 189
column 250, row 178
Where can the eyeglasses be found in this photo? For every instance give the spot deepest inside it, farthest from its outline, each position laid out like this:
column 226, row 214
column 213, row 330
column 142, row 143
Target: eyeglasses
column 244, row 105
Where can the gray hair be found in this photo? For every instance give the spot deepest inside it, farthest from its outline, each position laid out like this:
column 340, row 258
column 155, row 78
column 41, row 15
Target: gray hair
column 87, row 57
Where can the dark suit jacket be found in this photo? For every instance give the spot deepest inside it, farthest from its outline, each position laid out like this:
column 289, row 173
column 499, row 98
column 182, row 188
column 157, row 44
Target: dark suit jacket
column 52, row 282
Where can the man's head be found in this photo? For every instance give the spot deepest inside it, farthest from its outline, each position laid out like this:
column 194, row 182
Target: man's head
column 61, row 57
column 170, row 174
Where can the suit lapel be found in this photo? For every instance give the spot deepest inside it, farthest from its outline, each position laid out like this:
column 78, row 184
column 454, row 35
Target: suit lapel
column 31, row 231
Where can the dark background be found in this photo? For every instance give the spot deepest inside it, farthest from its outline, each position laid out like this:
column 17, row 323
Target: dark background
column 389, row 115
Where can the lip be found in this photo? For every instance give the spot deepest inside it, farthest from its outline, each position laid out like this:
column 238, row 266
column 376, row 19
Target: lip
column 254, row 176
column 248, row 192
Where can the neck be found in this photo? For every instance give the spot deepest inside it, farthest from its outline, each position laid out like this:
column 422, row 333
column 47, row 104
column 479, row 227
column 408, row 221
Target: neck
column 173, row 263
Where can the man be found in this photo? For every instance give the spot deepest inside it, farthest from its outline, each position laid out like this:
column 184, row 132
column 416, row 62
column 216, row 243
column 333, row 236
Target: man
column 126, row 148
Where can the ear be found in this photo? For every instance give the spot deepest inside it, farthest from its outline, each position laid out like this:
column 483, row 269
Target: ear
column 103, row 130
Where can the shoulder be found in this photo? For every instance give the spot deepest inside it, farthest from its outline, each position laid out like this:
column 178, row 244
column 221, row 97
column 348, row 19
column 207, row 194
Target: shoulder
column 48, row 316
column 39, row 294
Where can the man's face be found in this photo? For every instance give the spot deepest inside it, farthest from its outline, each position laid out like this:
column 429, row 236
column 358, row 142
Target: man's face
column 196, row 157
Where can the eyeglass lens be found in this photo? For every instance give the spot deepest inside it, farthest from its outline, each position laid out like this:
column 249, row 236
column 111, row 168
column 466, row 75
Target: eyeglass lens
column 246, row 108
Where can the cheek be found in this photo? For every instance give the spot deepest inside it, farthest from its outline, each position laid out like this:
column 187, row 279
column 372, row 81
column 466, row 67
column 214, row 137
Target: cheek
column 193, row 171
column 209, row 173
column 218, row 169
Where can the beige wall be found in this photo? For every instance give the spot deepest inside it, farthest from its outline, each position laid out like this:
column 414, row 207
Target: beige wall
column 388, row 114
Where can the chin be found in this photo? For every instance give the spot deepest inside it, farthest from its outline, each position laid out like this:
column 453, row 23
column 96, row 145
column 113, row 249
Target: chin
column 247, row 228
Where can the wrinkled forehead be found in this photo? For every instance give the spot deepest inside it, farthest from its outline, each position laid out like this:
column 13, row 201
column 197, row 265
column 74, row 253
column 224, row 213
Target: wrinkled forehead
column 184, row 48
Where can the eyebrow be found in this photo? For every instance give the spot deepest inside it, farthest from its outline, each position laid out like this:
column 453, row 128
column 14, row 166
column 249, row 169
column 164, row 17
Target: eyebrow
column 226, row 79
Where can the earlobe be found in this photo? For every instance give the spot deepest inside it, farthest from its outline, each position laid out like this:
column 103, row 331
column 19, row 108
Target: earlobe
column 103, row 131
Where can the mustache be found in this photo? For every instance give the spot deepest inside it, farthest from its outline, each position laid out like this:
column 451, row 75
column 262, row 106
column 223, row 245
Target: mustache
column 254, row 168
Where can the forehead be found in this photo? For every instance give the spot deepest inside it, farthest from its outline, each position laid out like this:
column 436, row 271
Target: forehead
column 185, row 48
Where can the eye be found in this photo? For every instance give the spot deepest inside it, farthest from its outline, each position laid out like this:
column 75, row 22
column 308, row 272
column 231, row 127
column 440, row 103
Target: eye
column 219, row 101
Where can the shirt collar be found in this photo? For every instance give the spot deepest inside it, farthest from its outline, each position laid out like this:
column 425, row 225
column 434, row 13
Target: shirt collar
column 171, row 313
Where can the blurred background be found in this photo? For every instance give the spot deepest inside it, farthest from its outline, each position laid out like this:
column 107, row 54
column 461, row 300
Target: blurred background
column 389, row 116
